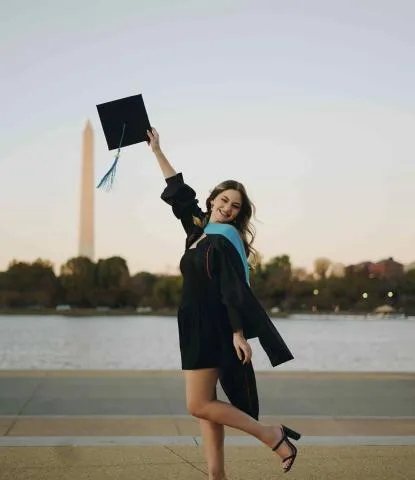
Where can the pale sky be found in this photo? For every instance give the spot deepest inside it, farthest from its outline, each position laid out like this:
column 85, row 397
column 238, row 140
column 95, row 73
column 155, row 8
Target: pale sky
column 310, row 104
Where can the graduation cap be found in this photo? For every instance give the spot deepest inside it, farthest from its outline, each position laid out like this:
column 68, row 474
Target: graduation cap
column 124, row 122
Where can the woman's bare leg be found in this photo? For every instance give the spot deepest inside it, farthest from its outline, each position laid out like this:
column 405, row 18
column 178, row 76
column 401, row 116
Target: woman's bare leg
column 213, row 435
column 201, row 403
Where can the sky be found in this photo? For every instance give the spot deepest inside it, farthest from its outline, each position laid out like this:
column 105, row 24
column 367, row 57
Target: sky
column 310, row 104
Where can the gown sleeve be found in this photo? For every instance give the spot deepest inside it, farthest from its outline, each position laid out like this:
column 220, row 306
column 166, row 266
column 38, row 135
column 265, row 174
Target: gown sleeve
column 244, row 309
column 182, row 198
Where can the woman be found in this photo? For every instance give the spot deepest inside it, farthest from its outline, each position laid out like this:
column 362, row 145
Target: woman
column 218, row 313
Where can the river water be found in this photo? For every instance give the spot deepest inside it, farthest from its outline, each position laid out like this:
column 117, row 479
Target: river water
column 319, row 343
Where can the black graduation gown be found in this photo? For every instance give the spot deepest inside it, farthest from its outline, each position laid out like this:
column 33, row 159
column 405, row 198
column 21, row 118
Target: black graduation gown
column 225, row 269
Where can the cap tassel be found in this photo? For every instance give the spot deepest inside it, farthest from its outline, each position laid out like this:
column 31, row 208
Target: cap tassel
column 108, row 179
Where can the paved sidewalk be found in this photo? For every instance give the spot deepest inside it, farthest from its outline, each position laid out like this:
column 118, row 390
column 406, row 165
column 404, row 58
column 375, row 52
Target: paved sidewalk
column 186, row 426
column 163, row 393
column 133, row 425
column 187, row 463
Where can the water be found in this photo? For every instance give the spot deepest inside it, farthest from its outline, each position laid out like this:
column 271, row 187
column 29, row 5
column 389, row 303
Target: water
column 319, row 343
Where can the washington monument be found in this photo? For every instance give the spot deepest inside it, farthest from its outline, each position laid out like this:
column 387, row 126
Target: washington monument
column 86, row 227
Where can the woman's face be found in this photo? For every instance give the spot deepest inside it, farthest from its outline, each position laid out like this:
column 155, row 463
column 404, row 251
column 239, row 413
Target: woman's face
column 226, row 206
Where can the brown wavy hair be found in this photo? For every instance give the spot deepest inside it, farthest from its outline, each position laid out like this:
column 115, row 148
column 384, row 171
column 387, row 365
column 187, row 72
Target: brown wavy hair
column 243, row 220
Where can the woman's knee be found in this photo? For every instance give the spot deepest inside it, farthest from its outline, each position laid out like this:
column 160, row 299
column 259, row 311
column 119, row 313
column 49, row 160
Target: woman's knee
column 197, row 408
column 200, row 390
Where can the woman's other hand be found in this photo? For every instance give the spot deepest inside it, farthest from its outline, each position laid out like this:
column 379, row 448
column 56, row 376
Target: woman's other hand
column 242, row 347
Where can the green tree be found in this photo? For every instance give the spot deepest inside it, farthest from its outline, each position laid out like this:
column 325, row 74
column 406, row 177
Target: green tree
column 78, row 281
column 112, row 273
column 167, row 291
column 113, row 283
column 405, row 292
column 142, row 286
column 302, row 297
column 277, row 278
column 29, row 284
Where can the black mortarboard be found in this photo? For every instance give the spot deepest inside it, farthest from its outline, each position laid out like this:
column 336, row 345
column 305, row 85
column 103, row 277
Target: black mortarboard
column 124, row 122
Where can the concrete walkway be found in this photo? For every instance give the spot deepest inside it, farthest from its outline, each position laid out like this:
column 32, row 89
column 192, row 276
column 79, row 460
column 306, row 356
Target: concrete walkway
column 119, row 425
column 187, row 463
column 163, row 393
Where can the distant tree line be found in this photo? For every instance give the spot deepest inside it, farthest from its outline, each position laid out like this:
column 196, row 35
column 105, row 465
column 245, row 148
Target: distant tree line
column 82, row 283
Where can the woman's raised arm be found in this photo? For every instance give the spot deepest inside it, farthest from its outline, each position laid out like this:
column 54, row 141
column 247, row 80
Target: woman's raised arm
column 154, row 142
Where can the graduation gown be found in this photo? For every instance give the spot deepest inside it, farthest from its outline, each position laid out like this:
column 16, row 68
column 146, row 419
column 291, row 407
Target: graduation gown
column 226, row 266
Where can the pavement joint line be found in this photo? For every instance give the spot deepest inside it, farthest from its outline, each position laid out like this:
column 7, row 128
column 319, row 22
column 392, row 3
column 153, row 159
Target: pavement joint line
column 185, row 460
column 176, row 427
column 195, row 441
column 25, row 404
column 184, row 416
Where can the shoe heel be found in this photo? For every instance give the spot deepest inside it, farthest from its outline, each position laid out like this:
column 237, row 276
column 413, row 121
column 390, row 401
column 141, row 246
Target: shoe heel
column 291, row 433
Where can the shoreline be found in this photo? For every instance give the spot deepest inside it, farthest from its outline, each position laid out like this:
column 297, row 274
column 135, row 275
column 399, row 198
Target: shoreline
column 85, row 312
column 323, row 375
column 89, row 312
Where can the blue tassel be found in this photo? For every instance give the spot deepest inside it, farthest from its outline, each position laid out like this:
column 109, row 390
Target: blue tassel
column 108, row 178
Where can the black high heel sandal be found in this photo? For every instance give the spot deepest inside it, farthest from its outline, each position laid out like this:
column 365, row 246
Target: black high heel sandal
column 291, row 433
column 292, row 457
